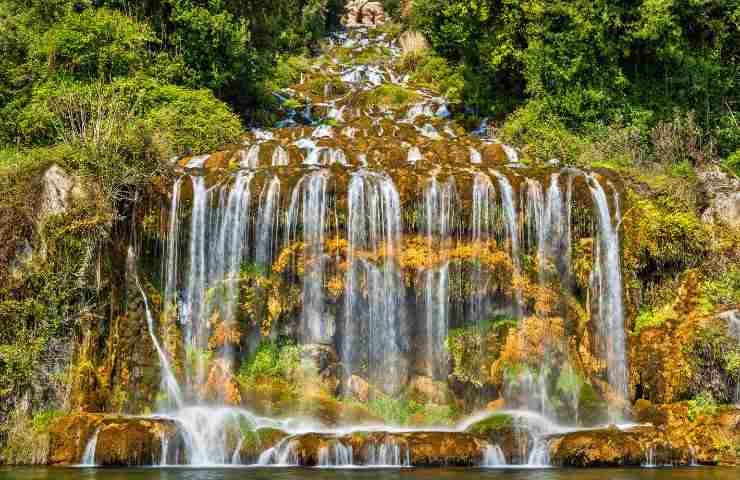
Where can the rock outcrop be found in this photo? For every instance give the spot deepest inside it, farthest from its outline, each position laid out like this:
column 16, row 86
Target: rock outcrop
column 362, row 13
column 121, row 441
column 722, row 192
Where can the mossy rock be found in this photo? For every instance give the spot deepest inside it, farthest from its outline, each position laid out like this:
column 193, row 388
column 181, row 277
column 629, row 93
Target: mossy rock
column 608, row 447
column 256, row 442
column 122, row 441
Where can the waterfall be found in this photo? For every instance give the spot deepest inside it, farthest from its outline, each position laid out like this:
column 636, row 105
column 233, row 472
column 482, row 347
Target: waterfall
column 196, row 282
column 335, row 455
column 512, row 231
column 310, row 198
column 493, row 456
column 388, row 453
column 373, row 290
column 210, row 433
column 385, row 237
column 539, row 455
column 281, row 454
column 482, row 224
column 88, row 456
column 164, row 448
column 168, row 377
column 267, row 224
column 438, row 221
column 607, row 280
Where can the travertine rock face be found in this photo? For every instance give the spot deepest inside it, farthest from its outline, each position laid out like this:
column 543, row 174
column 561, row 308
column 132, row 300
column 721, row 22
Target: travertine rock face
column 363, row 13
column 121, row 441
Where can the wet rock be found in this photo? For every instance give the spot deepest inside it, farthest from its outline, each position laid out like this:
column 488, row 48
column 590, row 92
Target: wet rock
column 425, row 390
column 137, row 442
column 608, row 447
column 500, row 429
column 359, row 388
column 722, row 192
column 422, row 449
column 257, row 442
column 494, row 153
column 121, row 440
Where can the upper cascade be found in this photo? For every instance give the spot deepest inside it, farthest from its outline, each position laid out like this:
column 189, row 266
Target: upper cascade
column 368, row 227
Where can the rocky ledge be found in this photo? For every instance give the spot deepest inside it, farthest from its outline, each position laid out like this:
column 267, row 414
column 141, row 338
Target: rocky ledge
column 121, row 440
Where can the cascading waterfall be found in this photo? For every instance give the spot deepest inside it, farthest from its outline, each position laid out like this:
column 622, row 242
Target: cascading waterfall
column 281, row 454
column 335, row 455
column 389, row 252
column 512, row 230
column 482, row 225
column 493, row 456
column 389, row 454
column 88, row 456
column 373, row 292
column 608, row 283
column 168, row 377
column 311, row 195
column 438, row 221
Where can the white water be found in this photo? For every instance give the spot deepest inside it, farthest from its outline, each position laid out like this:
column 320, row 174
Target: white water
column 374, row 318
column 607, row 279
column 336, row 455
column 170, row 382
column 389, row 454
column 493, row 456
column 88, row 456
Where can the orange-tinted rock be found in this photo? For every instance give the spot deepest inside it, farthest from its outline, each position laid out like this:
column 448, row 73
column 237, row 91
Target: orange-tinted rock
column 607, row 447
column 494, row 153
column 423, row 448
column 425, row 390
column 121, row 440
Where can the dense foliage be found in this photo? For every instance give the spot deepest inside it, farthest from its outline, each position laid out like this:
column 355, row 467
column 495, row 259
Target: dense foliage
column 587, row 64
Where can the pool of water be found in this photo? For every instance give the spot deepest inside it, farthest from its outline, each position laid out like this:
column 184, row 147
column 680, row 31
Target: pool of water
column 693, row 473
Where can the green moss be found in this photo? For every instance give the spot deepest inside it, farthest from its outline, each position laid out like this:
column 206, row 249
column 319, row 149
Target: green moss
column 389, row 95
column 649, row 318
column 490, row 425
column 702, row 404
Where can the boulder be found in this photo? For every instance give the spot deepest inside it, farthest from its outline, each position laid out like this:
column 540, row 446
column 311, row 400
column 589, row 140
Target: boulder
column 607, row 447
column 361, row 13
column 722, row 192
column 56, row 192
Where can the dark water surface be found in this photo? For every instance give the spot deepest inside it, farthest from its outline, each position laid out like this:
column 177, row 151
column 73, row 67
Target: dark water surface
column 695, row 473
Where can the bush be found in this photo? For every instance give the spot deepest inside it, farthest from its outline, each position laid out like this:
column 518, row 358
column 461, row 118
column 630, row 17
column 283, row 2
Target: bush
column 702, row 404
column 96, row 43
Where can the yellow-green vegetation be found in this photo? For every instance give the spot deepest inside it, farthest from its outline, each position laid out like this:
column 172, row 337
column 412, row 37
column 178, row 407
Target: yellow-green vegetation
column 27, row 437
column 389, row 95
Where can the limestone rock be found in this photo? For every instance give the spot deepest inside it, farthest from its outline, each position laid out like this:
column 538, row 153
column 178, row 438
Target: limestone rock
column 424, row 449
column 723, row 196
column 256, row 443
column 608, row 447
column 424, row 389
column 56, row 191
column 361, row 13
column 122, row 441
column 359, row 388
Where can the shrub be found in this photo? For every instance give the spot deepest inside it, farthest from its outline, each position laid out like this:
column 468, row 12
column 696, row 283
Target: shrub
column 702, row 404
column 94, row 43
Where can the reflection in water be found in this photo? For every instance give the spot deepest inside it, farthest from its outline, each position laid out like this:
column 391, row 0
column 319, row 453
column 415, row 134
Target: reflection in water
column 695, row 473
